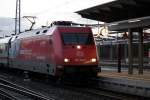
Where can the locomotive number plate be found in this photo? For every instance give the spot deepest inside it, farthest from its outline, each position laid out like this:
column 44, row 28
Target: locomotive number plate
column 80, row 54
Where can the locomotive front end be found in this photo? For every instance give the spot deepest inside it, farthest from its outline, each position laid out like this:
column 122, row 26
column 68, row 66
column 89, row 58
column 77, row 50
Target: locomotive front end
column 79, row 55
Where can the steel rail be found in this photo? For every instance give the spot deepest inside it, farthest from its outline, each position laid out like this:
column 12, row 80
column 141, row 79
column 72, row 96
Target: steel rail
column 96, row 92
column 6, row 95
column 22, row 90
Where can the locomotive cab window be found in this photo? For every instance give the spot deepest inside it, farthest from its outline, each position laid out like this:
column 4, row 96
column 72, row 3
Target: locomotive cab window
column 77, row 38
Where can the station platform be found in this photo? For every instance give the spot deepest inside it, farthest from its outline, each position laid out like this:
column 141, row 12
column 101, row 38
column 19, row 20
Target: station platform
column 124, row 74
column 146, row 64
column 134, row 84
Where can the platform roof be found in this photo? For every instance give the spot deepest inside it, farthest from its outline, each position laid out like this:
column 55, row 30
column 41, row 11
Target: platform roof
column 117, row 10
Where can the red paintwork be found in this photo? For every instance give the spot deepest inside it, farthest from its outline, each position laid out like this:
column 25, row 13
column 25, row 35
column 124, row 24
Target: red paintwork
column 34, row 48
column 82, row 56
column 79, row 57
column 51, row 49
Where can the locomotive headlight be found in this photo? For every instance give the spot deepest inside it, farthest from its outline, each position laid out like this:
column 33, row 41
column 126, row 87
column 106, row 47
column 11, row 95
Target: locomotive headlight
column 93, row 60
column 78, row 47
column 66, row 60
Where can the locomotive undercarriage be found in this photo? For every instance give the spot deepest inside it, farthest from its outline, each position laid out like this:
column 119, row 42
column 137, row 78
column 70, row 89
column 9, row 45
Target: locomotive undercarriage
column 79, row 71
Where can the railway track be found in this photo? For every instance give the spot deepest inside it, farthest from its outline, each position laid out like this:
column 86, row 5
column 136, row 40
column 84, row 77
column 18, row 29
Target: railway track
column 102, row 94
column 94, row 89
column 6, row 96
column 68, row 91
column 86, row 92
column 11, row 91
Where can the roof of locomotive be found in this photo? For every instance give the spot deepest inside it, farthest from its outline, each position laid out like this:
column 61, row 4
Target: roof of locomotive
column 36, row 32
column 40, row 31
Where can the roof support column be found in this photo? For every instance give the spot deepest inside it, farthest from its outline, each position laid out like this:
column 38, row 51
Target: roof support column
column 119, row 57
column 140, row 32
column 130, row 49
column 111, row 51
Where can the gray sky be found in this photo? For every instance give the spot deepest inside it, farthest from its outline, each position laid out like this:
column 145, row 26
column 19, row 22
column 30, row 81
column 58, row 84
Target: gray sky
column 48, row 10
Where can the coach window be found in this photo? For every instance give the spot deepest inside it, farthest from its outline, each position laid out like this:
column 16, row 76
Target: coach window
column 1, row 51
column 2, row 48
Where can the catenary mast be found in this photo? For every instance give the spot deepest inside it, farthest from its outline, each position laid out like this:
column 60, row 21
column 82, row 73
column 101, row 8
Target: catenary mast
column 17, row 17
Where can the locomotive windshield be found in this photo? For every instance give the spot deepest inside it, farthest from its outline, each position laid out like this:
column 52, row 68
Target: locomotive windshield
column 77, row 38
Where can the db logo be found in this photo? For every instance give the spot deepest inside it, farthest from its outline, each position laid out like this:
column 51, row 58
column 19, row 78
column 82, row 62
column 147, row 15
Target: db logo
column 79, row 54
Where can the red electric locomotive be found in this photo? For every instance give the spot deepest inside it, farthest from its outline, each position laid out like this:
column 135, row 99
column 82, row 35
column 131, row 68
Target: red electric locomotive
column 58, row 50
